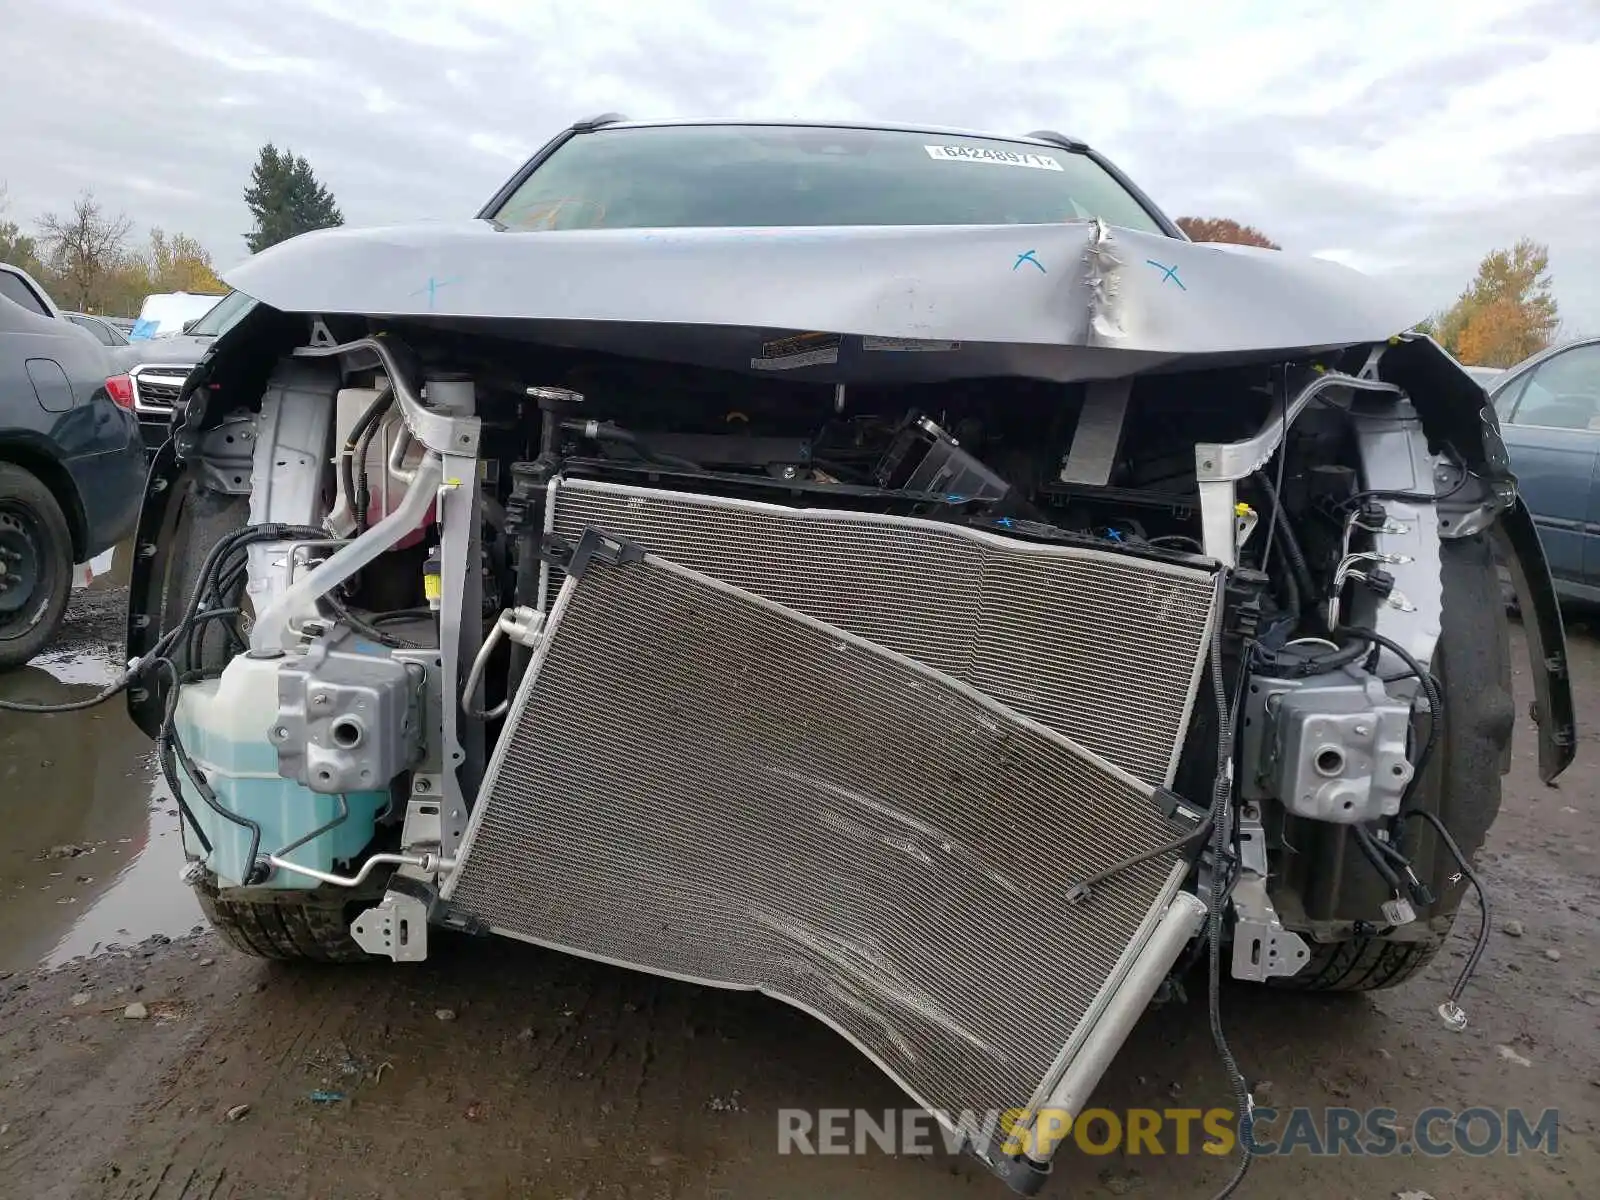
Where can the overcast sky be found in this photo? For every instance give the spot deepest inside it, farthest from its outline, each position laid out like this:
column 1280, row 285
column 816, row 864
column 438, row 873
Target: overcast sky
column 1403, row 138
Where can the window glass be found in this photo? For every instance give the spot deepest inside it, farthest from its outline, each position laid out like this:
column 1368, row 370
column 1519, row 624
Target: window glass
column 771, row 175
column 1505, row 401
column 101, row 332
column 1563, row 393
column 12, row 288
column 222, row 316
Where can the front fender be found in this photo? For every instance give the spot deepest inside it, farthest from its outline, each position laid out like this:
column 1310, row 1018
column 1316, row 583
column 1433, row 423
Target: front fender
column 1456, row 413
column 1520, row 551
column 179, row 523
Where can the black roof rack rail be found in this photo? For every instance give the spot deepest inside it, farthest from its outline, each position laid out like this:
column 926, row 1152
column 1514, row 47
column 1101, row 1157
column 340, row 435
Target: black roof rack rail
column 1060, row 139
column 593, row 123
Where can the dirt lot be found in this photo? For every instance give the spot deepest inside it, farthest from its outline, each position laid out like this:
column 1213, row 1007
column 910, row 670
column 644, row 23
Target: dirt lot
column 495, row 1070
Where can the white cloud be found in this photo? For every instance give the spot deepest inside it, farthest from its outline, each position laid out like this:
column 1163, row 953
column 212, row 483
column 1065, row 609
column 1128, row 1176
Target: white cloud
column 1404, row 140
column 506, row 149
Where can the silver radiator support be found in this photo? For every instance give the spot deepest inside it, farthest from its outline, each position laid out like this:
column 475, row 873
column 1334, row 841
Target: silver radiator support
column 697, row 781
column 1105, row 648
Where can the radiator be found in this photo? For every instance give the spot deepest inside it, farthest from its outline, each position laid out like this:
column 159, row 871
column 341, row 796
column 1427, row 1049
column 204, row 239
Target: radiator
column 701, row 782
column 1101, row 647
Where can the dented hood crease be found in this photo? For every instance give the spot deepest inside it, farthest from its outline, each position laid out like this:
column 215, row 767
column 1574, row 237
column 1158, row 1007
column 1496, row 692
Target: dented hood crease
column 1076, row 299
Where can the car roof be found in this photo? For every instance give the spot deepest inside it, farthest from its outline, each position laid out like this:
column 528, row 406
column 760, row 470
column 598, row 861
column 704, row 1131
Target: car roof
column 1032, row 139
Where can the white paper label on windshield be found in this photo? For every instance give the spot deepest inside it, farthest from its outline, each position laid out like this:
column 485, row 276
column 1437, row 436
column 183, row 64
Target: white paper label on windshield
column 907, row 345
column 1003, row 158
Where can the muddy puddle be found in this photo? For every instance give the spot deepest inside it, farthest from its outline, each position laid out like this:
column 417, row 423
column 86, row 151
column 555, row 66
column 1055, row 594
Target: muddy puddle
column 91, row 855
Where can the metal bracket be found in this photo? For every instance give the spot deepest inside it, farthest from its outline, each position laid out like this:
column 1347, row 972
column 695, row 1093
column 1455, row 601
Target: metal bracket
column 1394, row 457
column 1469, row 514
column 396, row 927
column 422, row 824
column 225, row 455
column 321, row 335
column 440, row 431
column 1220, row 465
column 460, row 635
column 1262, row 947
column 1099, row 432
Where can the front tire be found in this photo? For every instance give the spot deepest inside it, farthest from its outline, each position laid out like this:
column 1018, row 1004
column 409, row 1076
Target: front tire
column 1473, row 666
column 35, row 566
column 303, row 926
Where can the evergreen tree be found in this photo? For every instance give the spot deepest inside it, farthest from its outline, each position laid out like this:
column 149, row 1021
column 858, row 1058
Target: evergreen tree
column 285, row 199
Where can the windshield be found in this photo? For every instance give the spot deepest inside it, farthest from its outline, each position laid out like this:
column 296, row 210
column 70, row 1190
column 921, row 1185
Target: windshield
column 222, row 316
column 762, row 175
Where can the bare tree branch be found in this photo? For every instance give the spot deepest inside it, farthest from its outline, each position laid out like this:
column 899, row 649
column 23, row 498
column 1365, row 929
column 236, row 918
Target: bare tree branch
column 84, row 248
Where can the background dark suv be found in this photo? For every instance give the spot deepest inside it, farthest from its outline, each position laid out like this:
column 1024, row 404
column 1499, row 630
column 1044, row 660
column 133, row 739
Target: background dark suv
column 72, row 465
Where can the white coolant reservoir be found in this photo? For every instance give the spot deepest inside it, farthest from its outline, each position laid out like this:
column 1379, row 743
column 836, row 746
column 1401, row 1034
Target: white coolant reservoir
column 349, row 406
column 225, row 727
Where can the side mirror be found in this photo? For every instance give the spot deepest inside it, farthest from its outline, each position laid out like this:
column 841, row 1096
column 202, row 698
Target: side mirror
column 190, row 324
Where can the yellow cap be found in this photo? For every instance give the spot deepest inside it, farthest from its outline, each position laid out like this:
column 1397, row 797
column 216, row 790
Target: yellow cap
column 1242, row 509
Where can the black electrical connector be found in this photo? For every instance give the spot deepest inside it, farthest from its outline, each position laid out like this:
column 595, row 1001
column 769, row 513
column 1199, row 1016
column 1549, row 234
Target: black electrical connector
column 1372, row 514
column 1380, row 582
column 1242, row 603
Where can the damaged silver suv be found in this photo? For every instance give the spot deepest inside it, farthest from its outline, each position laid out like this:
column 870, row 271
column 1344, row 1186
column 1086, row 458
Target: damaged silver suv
column 891, row 569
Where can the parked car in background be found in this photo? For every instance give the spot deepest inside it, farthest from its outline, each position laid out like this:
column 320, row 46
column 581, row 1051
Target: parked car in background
column 165, row 314
column 106, row 333
column 71, row 465
column 21, row 288
column 157, row 367
column 1549, row 410
column 1487, row 376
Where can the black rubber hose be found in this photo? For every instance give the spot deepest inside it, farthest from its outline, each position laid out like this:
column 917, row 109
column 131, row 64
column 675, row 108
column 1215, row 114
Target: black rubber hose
column 155, row 657
column 1369, row 847
column 362, row 496
column 1315, row 665
column 169, row 772
column 168, row 743
column 1286, row 538
column 366, row 628
column 1486, row 921
column 365, row 423
column 1355, row 499
column 1293, row 597
column 607, row 432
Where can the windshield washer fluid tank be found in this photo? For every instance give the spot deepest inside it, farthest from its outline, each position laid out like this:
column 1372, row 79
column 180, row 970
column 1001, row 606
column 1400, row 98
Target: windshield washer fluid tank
column 225, row 726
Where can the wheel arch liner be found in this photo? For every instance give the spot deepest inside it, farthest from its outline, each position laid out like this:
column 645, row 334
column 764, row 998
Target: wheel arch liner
column 701, row 783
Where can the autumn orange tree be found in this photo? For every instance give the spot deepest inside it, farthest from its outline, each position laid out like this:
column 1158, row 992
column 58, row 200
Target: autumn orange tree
column 1225, row 229
column 1507, row 312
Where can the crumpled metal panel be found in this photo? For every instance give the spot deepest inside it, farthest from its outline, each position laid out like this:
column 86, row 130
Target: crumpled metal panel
column 1075, row 300
column 697, row 782
column 1103, row 648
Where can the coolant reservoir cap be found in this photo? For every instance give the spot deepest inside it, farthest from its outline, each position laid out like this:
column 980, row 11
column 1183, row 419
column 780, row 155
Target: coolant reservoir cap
column 267, row 652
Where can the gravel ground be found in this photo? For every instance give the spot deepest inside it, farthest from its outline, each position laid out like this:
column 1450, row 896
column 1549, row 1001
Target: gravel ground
column 497, row 1070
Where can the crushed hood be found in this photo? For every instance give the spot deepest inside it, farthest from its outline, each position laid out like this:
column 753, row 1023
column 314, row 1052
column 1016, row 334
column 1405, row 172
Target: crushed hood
column 1072, row 300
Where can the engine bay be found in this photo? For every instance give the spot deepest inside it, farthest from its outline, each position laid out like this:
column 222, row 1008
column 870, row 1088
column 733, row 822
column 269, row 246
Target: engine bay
column 1112, row 467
